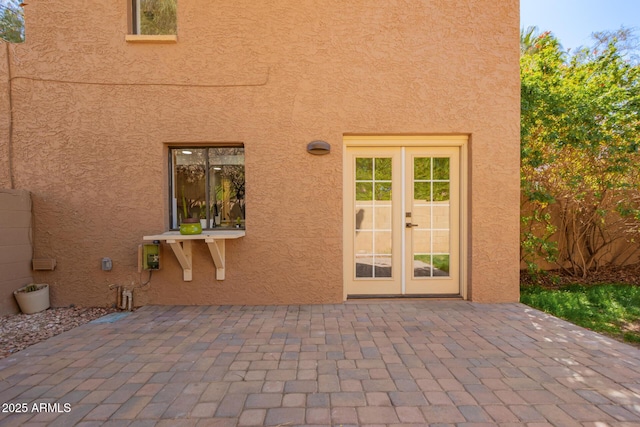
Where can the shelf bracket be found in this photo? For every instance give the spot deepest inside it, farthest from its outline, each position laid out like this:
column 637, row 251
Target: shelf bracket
column 216, row 247
column 182, row 251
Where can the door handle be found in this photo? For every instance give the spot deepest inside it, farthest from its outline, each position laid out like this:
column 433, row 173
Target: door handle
column 410, row 225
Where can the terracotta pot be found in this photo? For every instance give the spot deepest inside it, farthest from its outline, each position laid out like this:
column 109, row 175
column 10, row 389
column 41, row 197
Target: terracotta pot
column 33, row 302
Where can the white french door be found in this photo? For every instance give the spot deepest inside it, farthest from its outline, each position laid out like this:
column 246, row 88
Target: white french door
column 402, row 221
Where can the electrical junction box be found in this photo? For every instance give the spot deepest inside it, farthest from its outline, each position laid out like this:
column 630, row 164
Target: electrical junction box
column 150, row 256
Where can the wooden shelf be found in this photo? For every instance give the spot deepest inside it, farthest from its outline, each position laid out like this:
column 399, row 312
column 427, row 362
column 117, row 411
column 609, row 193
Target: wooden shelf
column 181, row 246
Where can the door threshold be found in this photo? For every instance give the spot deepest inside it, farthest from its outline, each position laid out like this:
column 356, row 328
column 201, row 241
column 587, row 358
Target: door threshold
column 405, row 297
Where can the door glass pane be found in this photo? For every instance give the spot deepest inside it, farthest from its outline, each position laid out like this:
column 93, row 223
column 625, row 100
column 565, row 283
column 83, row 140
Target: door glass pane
column 383, row 190
column 440, row 241
column 383, row 243
column 441, row 168
column 364, row 191
column 421, row 215
column 440, row 191
column 373, row 235
column 364, row 169
column 383, row 266
column 421, row 241
column 440, row 216
column 431, row 213
column 364, row 218
column 421, row 265
column 422, row 191
column 422, row 168
column 364, row 243
column 383, row 217
column 440, row 265
column 383, row 169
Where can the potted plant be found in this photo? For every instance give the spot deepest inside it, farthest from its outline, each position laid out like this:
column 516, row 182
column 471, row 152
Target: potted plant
column 189, row 225
column 190, row 178
column 32, row 298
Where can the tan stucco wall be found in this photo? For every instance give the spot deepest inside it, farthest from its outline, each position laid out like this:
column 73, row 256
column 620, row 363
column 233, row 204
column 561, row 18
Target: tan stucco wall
column 94, row 114
column 5, row 177
column 15, row 246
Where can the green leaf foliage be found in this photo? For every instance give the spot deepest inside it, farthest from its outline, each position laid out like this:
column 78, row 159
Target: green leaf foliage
column 580, row 133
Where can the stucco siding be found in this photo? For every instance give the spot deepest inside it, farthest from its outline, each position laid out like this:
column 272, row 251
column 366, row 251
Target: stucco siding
column 94, row 115
column 15, row 246
column 5, row 117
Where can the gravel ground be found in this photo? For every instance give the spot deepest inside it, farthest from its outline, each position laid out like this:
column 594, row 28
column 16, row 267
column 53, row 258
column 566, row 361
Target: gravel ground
column 19, row 331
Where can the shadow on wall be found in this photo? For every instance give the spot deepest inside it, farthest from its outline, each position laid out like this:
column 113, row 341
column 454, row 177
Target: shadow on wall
column 16, row 248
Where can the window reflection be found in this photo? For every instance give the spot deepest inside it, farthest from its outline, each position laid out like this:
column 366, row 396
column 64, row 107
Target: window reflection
column 154, row 17
column 209, row 184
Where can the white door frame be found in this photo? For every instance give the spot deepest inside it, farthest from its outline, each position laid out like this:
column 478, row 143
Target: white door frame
column 398, row 141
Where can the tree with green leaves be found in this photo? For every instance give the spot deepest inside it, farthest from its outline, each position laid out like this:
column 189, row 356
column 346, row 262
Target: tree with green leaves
column 528, row 40
column 11, row 22
column 580, row 140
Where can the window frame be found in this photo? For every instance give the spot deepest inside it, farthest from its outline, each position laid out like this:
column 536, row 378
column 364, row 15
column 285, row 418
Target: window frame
column 174, row 218
column 134, row 5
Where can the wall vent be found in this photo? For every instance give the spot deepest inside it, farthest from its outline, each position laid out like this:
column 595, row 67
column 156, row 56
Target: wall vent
column 47, row 264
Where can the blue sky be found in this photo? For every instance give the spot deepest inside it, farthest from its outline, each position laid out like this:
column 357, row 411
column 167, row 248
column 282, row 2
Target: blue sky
column 573, row 21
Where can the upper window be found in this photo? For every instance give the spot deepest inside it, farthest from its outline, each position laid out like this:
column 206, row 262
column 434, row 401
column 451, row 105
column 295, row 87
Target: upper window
column 11, row 21
column 154, row 17
column 208, row 183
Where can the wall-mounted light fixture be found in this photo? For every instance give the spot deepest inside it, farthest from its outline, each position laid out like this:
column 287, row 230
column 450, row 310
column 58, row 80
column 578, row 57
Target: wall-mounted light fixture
column 318, row 147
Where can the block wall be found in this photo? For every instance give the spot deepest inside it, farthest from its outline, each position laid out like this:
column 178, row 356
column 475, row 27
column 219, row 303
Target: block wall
column 15, row 246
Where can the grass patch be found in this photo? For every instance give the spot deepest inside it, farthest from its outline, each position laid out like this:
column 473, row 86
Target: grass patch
column 610, row 309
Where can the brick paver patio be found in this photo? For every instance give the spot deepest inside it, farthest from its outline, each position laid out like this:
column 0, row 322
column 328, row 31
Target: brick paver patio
column 381, row 363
